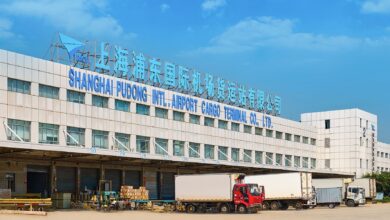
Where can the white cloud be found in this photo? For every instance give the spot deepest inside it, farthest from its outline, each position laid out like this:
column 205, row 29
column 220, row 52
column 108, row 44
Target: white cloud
column 81, row 17
column 211, row 5
column 164, row 7
column 254, row 33
column 5, row 28
column 376, row 6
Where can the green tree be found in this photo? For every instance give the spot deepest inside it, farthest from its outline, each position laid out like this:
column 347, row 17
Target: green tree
column 382, row 181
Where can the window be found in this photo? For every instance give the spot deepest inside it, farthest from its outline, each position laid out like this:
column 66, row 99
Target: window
column 360, row 122
column 248, row 156
column 178, row 148
column 269, row 133
column 305, row 140
column 235, row 126
column 124, row 139
column 194, row 150
column 208, row 151
column 327, row 124
column 247, row 129
column 313, row 141
column 297, row 161
column 366, row 142
column 361, row 163
column 74, row 96
column 222, row 124
column 235, row 154
column 287, row 136
column 361, row 141
column 222, row 153
column 161, row 146
column 269, row 158
column 382, row 154
column 305, row 162
column 278, row 135
column 142, row 109
column 122, row 105
column 100, row 139
column 48, row 133
column 297, row 138
column 76, row 136
column 194, row 119
column 209, row 121
column 178, row 116
column 367, row 164
column 287, row 160
column 99, row 101
column 259, row 157
column 327, row 142
column 49, row 91
column 377, row 153
column 161, row 113
column 15, row 85
column 21, row 128
column 313, row 163
column 142, row 144
column 278, row 159
column 258, row 131
column 10, row 178
column 327, row 163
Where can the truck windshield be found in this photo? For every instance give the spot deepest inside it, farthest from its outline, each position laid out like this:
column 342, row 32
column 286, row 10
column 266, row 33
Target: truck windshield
column 254, row 189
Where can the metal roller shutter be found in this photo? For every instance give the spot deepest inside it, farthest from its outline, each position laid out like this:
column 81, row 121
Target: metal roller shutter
column 115, row 176
column 167, row 186
column 150, row 180
column 132, row 178
column 66, row 179
column 89, row 179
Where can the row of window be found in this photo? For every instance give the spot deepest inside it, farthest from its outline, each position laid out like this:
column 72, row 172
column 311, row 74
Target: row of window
column 382, row 169
column 382, row 154
column 49, row 134
column 100, row 101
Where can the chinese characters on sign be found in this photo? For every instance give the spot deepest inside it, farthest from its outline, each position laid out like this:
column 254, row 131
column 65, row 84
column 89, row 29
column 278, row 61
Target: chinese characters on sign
column 134, row 66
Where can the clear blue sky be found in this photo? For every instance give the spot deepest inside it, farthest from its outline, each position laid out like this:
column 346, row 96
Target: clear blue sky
column 316, row 54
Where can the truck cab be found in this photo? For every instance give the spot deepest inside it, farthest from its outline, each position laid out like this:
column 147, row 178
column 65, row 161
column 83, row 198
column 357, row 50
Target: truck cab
column 248, row 197
column 355, row 196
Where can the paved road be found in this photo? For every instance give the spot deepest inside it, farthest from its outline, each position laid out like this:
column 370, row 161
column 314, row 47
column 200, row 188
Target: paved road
column 368, row 212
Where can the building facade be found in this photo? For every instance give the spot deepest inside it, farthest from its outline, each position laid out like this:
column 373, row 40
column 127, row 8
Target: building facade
column 65, row 128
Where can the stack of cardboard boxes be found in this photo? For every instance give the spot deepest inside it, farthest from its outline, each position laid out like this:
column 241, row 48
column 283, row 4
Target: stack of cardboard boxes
column 128, row 192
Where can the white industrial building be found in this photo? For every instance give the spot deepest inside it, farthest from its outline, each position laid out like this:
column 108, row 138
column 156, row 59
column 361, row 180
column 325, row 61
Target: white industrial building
column 57, row 138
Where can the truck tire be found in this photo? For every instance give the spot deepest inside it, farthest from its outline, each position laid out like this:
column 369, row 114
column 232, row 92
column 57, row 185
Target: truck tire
column 331, row 205
column 275, row 205
column 266, row 206
column 224, row 208
column 350, row 203
column 298, row 205
column 242, row 209
column 190, row 208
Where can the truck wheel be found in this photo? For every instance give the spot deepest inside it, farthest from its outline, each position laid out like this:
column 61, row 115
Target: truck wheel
column 224, row 208
column 241, row 209
column 275, row 205
column 298, row 205
column 266, row 206
column 350, row 203
column 191, row 208
column 331, row 206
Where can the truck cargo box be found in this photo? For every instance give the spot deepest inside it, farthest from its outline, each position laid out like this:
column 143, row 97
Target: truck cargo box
column 205, row 187
column 285, row 185
column 368, row 184
column 329, row 195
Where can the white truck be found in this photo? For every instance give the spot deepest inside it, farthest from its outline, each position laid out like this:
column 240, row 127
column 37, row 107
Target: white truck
column 369, row 186
column 286, row 189
column 217, row 193
column 352, row 195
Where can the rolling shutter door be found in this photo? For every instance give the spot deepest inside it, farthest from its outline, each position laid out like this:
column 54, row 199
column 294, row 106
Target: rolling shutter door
column 115, row 177
column 66, row 179
column 89, row 179
column 150, row 180
column 132, row 178
column 167, row 186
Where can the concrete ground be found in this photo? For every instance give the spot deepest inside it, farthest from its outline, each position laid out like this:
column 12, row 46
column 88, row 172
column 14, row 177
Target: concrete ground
column 367, row 212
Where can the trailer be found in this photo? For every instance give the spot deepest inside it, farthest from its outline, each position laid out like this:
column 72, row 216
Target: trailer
column 286, row 189
column 330, row 197
column 369, row 186
column 217, row 193
column 26, row 204
column 351, row 195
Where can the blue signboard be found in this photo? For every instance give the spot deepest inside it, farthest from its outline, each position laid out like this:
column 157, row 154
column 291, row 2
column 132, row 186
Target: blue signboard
column 133, row 66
